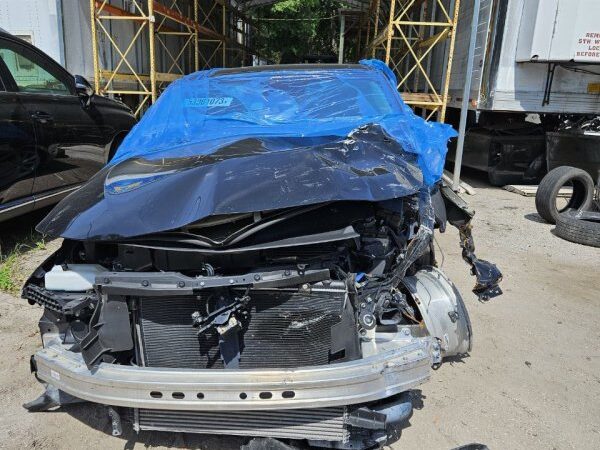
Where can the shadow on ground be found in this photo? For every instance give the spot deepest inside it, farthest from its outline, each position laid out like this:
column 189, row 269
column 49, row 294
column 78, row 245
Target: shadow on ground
column 456, row 359
column 535, row 217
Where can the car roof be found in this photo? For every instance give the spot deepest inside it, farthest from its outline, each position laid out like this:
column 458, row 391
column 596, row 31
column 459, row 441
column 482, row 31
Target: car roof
column 284, row 67
column 8, row 35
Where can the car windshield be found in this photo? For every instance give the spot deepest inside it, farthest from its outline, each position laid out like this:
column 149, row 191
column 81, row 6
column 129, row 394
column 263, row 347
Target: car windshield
column 210, row 110
column 212, row 107
column 288, row 97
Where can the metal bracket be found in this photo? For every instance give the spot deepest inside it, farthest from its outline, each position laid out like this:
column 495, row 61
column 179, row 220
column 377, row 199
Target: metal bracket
column 148, row 284
column 548, row 85
column 51, row 398
column 115, row 421
column 220, row 318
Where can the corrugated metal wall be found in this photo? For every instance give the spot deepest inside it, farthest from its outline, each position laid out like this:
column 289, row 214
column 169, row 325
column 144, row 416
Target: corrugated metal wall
column 459, row 64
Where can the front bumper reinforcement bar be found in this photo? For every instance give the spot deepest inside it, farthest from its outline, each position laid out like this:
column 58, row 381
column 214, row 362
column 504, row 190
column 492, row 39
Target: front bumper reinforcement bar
column 391, row 371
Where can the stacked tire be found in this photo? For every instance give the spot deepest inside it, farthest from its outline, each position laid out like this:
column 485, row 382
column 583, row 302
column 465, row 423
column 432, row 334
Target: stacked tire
column 575, row 222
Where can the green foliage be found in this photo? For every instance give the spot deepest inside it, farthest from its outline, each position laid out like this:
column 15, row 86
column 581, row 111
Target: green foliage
column 13, row 248
column 291, row 30
column 7, row 268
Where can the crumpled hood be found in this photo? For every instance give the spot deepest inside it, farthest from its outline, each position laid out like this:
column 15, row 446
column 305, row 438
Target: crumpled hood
column 139, row 196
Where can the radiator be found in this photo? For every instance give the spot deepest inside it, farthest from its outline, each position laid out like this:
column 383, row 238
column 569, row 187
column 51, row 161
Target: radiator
column 287, row 328
column 318, row 424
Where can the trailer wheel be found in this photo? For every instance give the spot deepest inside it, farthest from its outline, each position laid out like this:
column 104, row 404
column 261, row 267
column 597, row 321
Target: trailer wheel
column 581, row 228
column 547, row 194
column 502, row 179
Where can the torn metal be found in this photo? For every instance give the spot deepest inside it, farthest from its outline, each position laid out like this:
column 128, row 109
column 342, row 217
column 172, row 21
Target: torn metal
column 488, row 276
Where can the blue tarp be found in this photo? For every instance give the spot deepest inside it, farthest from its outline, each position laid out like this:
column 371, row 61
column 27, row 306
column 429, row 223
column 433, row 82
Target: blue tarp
column 237, row 141
column 204, row 111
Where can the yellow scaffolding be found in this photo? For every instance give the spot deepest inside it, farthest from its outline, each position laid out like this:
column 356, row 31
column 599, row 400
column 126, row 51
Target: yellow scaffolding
column 198, row 25
column 214, row 33
column 404, row 33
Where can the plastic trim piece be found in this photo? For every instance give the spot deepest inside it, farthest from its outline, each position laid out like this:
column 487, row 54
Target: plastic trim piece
column 443, row 310
column 174, row 283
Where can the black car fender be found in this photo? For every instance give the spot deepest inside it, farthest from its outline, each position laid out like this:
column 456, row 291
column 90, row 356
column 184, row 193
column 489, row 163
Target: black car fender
column 453, row 209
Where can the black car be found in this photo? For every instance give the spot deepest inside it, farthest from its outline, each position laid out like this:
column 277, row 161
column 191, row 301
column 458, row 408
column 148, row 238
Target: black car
column 54, row 132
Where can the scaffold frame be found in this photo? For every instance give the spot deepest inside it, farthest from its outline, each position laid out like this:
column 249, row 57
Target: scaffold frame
column 214, row 33
column 203, row 24
column 403, row 33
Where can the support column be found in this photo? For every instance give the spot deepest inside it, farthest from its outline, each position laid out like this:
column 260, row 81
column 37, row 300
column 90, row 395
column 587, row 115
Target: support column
column 464, row 109
column 95, row 46
column 448, row 61
column 376, row 24
column 342, row 32
column 151, row 42
column 223, row 43
column 390, row 32
column 196, row 42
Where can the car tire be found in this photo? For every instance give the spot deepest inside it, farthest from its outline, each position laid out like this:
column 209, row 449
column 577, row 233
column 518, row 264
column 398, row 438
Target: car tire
column 581, row 228
column 499, row 179
column 545, row 198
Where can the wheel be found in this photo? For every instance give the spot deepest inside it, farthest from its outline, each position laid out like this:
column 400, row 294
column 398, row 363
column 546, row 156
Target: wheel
column 500, row 179
column 547, row 193
column 581, row 228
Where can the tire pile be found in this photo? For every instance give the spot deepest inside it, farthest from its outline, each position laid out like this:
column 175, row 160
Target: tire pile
column 577, row 221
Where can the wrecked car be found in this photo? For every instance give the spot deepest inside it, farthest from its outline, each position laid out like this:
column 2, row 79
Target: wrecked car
column 258, row 260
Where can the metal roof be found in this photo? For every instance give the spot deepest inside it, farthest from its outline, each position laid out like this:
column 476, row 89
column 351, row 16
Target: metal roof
column 246, row 4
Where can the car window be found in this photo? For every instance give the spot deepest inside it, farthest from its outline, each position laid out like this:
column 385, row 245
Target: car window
column 286, row 98
column 29, row 76
column 4, row 77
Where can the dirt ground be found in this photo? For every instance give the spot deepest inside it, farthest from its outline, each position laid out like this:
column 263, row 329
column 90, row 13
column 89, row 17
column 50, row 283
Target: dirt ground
column 532, row 380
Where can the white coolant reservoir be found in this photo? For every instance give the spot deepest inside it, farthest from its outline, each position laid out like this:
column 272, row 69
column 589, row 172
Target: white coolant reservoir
column 73, row 278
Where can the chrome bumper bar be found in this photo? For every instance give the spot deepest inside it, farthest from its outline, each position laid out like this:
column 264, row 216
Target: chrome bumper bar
column 400, row 363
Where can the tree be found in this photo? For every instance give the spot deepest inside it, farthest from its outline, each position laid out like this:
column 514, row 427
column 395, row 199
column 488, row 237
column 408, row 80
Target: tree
column 291, row 30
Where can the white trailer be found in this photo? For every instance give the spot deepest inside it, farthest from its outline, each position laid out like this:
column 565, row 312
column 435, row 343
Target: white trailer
column 38, row 22
column 518, row 43
column 531, row 56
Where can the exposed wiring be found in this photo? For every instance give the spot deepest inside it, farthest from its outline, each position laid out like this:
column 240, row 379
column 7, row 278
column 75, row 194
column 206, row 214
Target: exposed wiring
column 441, row 251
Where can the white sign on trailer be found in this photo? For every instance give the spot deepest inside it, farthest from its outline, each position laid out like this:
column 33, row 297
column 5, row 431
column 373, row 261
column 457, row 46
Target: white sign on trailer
column 559, row 31
column 588, row 46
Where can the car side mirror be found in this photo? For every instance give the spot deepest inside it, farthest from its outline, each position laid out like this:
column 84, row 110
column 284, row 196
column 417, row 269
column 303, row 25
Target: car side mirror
column 84, row 90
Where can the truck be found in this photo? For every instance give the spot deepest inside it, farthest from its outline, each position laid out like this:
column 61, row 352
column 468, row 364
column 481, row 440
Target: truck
column 535, row 87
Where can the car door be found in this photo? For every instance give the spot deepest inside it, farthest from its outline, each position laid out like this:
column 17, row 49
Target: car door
column 71, row 137
column 18, row 157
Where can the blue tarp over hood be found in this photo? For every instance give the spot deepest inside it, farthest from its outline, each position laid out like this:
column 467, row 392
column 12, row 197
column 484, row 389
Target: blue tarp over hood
column 204, row 111
column 256, row 139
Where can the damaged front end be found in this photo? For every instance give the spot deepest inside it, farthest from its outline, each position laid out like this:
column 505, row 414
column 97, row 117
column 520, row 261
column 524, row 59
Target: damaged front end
column 275, row 287
column 327, row 328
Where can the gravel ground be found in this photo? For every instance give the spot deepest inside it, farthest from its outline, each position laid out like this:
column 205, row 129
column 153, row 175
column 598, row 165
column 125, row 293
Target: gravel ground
column 532, row 380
